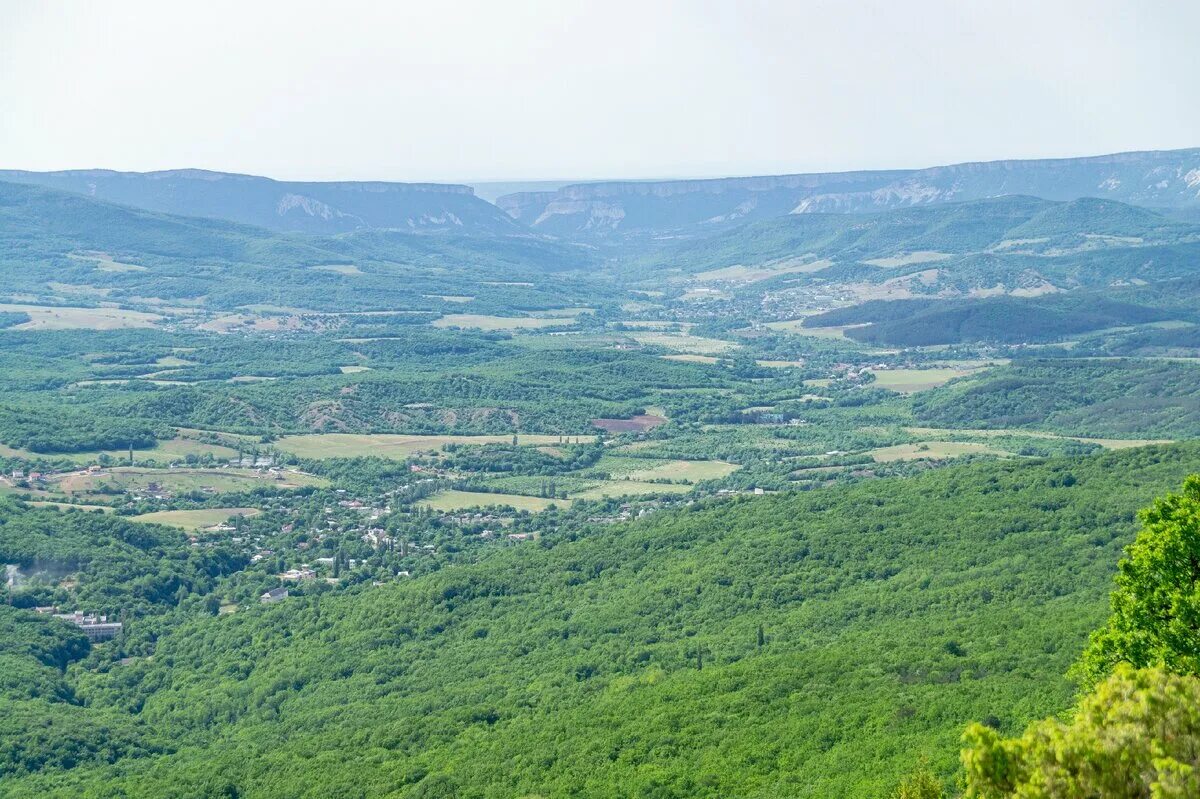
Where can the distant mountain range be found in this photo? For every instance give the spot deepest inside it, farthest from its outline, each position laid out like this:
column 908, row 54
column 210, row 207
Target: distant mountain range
column 321, row 208
column 1167, row 181
column 624, row 212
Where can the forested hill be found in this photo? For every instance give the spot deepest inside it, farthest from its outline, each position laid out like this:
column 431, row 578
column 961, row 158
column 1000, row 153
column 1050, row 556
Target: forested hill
column 807, row 645
column 310, row 207
column 41, row 223
column 1010, row 320
column 1012, row 244
column 55, row 238
column 1001, row 226
column 1161, row 179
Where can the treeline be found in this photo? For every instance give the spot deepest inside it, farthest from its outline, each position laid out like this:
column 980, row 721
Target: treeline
column 1003, row 320
column 13, row 318
column 56, row 429
column 518, row 460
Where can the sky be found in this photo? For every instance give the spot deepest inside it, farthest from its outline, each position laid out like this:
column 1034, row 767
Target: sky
column 470, row 91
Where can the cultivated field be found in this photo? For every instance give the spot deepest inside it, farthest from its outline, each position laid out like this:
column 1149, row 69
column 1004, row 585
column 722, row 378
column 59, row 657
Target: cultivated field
column 176, row 481
column 354, row 445
column 932, row 450
column 686, row 358
column 634, row 424
column 647, row 469
column 910, row 381
column 1107, row 443
column 105, row 262
column 629, row 488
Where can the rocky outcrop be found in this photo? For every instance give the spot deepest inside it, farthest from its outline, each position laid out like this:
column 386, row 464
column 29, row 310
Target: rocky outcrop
column 1163, row 180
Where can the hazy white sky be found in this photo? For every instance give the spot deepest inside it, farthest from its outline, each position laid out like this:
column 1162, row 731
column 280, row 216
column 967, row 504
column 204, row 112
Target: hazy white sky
column 565, row 89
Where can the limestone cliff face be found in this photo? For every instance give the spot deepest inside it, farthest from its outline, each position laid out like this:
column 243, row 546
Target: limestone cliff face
column 310, row 207
column 1167, row 180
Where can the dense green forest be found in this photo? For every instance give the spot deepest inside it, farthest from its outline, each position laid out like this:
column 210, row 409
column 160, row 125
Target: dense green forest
column 1080, row 397
column 751, row 647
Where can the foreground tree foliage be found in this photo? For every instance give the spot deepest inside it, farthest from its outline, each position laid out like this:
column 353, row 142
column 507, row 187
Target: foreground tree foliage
column 1156, row 606
column 1136, row 735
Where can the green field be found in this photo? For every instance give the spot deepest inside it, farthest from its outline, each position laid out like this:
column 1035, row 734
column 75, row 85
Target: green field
column 195, row 519
column 355, row 445
column 630, row 488
column 574, row 487
column 910, row 381
column 645, row 469
column 184, row 480
column 934, row 450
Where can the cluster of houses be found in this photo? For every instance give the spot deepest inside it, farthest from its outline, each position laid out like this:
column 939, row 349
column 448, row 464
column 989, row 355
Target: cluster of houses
column 37, row 479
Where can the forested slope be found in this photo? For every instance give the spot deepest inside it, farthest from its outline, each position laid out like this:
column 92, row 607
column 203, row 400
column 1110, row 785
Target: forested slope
column 811, row 644
column 1009, row 320
column 123, row 253
column 1084, row 397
